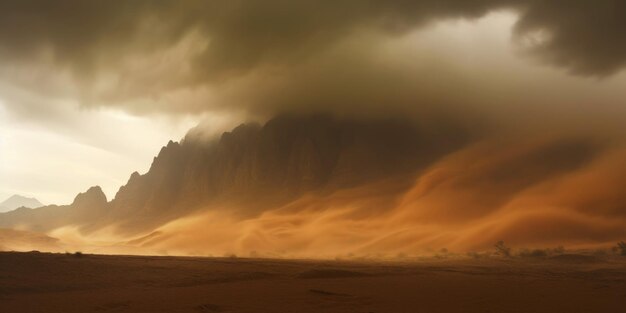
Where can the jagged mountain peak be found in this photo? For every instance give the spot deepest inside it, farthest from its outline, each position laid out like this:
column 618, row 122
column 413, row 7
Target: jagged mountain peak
column 254, row 167
column 93, row 196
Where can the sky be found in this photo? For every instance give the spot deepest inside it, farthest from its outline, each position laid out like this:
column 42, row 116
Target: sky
column 54, row 162
column 90, row 91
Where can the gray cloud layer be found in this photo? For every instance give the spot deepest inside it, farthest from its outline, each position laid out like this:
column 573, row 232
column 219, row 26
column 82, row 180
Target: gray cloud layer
column 268, row 56
column 585, row 36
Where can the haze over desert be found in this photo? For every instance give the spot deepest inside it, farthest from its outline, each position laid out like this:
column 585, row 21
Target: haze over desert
column 281, row 156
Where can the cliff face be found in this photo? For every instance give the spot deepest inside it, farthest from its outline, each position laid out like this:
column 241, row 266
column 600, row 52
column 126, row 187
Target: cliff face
column 250, row 168
column 254, row 166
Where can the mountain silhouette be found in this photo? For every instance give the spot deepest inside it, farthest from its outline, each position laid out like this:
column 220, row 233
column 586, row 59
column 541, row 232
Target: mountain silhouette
column 248, row 169
column 16, row 201
column 86, row 207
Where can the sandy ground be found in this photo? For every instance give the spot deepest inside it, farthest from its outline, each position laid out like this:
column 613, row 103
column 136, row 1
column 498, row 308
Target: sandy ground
column 40, row 282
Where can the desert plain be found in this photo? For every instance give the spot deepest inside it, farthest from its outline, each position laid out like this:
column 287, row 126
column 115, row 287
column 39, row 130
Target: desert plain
column 46, row 282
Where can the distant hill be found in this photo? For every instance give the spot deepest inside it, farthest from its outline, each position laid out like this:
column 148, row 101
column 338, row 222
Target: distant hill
column 17, row 201
column 88, row 206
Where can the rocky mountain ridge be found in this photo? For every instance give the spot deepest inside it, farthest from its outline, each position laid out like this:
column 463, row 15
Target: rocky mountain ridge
column 249, row 168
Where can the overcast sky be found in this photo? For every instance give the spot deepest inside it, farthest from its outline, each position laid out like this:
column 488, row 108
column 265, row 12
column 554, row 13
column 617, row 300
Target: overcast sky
column 89, row 92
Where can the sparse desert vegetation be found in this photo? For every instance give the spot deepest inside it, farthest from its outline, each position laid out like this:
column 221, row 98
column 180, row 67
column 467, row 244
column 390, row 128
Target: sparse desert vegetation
column 621, row 248
column 502, row 249
column 535, row 253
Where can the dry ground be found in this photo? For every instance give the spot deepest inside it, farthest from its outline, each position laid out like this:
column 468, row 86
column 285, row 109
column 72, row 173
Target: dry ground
column 41, row 282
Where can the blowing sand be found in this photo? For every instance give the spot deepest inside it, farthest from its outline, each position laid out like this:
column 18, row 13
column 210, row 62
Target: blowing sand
column 41, row 282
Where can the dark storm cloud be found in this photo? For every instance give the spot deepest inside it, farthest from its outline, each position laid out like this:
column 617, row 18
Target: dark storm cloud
column 268, row 56
column 586, row 37
column 242, row 33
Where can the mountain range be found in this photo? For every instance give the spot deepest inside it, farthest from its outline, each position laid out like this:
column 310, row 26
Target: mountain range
column 247, row 170
column 318, row 185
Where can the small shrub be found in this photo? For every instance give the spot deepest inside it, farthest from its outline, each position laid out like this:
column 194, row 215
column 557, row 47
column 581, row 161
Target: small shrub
column 502, row 249
column 536, row 253
column 601, row 252
column 78, row 254
column 474, row 255
column 621, row 248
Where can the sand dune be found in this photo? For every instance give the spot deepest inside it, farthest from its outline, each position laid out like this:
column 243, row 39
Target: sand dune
column 11, row 239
